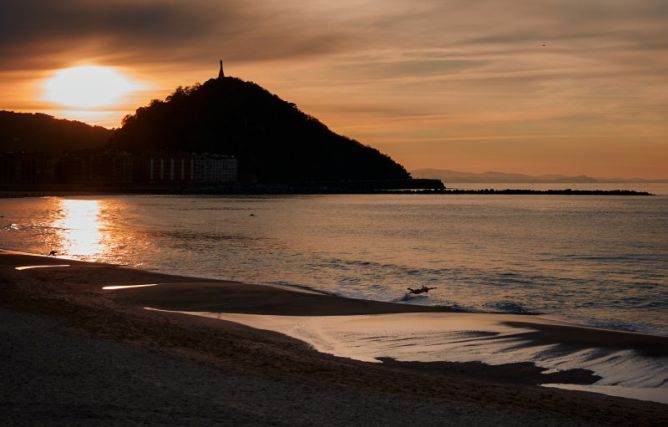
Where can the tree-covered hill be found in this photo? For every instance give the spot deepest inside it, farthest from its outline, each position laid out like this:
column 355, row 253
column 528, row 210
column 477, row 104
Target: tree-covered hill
column 272, row 139
column 41, row 133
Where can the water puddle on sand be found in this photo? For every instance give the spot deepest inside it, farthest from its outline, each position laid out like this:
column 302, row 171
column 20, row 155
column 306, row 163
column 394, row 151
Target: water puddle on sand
column 113, row 288
column 462, row 337
column 32, row 267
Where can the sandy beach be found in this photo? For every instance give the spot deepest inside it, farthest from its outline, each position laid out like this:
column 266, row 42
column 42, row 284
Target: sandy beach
column 75, row 352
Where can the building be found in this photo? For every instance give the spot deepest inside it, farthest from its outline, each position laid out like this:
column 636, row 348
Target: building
column 177, row 168
column 165, row 169
column 214, row 169
column 27, row 168
column 110, row 168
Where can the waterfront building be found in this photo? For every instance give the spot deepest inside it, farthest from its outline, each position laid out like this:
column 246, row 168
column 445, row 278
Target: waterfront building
column 190, row 169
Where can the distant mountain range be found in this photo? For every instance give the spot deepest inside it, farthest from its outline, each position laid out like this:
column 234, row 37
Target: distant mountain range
column 450, row 176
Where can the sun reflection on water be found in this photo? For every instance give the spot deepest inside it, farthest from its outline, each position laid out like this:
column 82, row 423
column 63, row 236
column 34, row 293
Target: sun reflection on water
column 80, row 228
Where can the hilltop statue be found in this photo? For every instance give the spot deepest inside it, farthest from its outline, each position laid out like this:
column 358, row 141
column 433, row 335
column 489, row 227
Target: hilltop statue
column 221, row 73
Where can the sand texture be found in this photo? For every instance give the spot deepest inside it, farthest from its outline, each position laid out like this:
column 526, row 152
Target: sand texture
column 74, row 353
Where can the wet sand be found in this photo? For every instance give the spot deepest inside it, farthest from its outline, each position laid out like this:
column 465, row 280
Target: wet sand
column 280, row 379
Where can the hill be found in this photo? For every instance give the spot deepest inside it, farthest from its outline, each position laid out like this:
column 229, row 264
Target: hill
column 272, row 139
column 503, row 177
column 41, row 133
column 450, row 176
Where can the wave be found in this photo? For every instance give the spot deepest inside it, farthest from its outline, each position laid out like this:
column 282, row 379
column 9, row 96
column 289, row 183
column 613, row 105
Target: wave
column 511, row 307
column 300, row 287
column 617, row 258
column 619, row 325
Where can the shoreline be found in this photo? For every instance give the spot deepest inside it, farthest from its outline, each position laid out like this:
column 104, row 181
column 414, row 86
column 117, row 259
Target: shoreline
column 292, row 191
column 75, row 294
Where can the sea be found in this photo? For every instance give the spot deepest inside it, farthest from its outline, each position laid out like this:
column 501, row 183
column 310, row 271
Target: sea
column 593, row 260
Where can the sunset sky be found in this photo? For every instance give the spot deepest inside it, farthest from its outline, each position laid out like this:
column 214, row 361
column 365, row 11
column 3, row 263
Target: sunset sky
column 530, row 86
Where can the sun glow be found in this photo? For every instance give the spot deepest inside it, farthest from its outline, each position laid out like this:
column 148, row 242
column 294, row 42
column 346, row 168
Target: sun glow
column 87, row 86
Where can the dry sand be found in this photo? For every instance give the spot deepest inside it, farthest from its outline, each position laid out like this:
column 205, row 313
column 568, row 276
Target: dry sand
column 74, row 353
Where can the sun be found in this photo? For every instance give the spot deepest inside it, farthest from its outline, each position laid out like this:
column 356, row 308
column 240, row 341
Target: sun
column 87, row 87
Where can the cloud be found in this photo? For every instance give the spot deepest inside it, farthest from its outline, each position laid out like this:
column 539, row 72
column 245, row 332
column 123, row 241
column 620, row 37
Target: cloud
column 384, row 71
column 35, row 33
column 413, row 68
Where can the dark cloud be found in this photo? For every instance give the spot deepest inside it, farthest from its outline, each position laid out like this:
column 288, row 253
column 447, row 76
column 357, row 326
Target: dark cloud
column 33, row 32
column 37, row 34
column 26, row 20
column 33, row 28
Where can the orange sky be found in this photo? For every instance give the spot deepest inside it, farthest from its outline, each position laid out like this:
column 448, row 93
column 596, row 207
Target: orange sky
column 530, row 86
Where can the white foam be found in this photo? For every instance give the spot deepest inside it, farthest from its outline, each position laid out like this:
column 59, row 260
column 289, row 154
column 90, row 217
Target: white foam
column 32, row 267
column 458, row 337
column 113, row 288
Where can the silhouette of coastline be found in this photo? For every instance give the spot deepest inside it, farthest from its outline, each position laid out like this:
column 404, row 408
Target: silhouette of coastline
column 225, row 136
column 556, row 192
column 452, row 176
column 237, row 189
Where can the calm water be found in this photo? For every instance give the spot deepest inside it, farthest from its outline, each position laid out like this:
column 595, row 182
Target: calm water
column 596, row 260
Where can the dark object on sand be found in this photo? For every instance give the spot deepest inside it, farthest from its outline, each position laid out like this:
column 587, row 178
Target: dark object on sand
column 422, row 290
column 53, row 253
